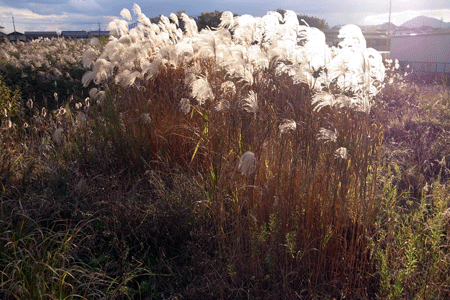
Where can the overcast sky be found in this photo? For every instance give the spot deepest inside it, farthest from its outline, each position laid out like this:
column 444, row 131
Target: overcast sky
column 57, row 15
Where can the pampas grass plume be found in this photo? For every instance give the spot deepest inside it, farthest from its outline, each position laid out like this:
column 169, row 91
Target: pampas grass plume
column 125, row 13
column 56, row 137
column 341, row 153
column 327, row 135
column 287, row 125
column 247, row 163
column 201, row 90
column 185, row 105
column 251, row 102
column 322, row 99
column 30, row 103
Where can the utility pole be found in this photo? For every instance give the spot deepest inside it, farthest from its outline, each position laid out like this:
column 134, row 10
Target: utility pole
column 14, row 26
column 99, row 29
column 389, row 24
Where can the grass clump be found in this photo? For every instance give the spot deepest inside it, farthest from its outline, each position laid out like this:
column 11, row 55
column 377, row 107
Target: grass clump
column 184, row 176
column 411, row 245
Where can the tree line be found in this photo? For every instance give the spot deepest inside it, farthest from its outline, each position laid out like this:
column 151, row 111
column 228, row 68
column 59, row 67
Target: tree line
column 212, row 19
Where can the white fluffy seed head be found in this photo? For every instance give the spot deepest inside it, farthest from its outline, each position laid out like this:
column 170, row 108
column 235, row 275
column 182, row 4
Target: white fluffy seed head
column 89, row 57
column 250, row 103
column 93, row 93
column 125, row 13
column 222, row 105
column 57, row 135
column 30, row 103
column 341, row 153
column 247, row 164
column 94, row 42
column 201, row 90
column 146, row 118
column 287, row 125
column 322, row 99
column 185, row 105
column 228, row 88
column 327, row 135
column 352, row 37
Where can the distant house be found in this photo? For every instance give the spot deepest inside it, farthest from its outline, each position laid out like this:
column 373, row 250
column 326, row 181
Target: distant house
column 16, row 37
column 133, row 25
column 82, row 34
column 33, row 35
column 96, row 33
column 3, row 37
column 376, row 40
column 424, row 52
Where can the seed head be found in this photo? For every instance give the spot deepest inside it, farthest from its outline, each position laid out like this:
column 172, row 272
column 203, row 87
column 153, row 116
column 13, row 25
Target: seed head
column 125, row 13
column 287, row 125
column 224, row 104
column 327, row 135
column 341, row 153
column 57, row 135
column 61, row 111
column 228, row 88
column 146, row 118
column 247, row 163
column 30, row 103
column 201, row 90
column 185, row 105
column 81, row 118
column 251, row 102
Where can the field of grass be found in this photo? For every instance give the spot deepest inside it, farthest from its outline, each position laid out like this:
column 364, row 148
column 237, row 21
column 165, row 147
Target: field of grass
column 205, row 166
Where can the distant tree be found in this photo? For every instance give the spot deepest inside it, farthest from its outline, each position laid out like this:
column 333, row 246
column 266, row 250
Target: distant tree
column 313, row 21
column 180, row 21
column 281, row 11
column 155, row 20
column 208, row 19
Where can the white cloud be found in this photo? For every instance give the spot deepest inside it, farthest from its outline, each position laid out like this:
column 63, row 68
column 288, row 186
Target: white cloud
column 27, row 20
column 84, row 5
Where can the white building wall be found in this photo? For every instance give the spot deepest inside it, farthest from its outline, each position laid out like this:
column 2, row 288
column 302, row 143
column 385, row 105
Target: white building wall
column 421, row 47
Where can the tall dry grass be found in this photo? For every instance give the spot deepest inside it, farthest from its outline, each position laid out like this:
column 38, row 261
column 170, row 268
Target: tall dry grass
column 301, row 222
column 198, row 182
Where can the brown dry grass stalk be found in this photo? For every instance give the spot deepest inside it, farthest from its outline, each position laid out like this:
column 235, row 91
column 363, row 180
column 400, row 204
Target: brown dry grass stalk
column 299, row 185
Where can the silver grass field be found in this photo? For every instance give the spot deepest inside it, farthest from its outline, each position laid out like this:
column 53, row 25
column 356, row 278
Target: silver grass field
column 250, row 160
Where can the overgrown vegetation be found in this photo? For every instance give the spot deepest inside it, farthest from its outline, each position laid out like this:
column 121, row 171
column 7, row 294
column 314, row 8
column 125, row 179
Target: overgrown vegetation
column 198, row 181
